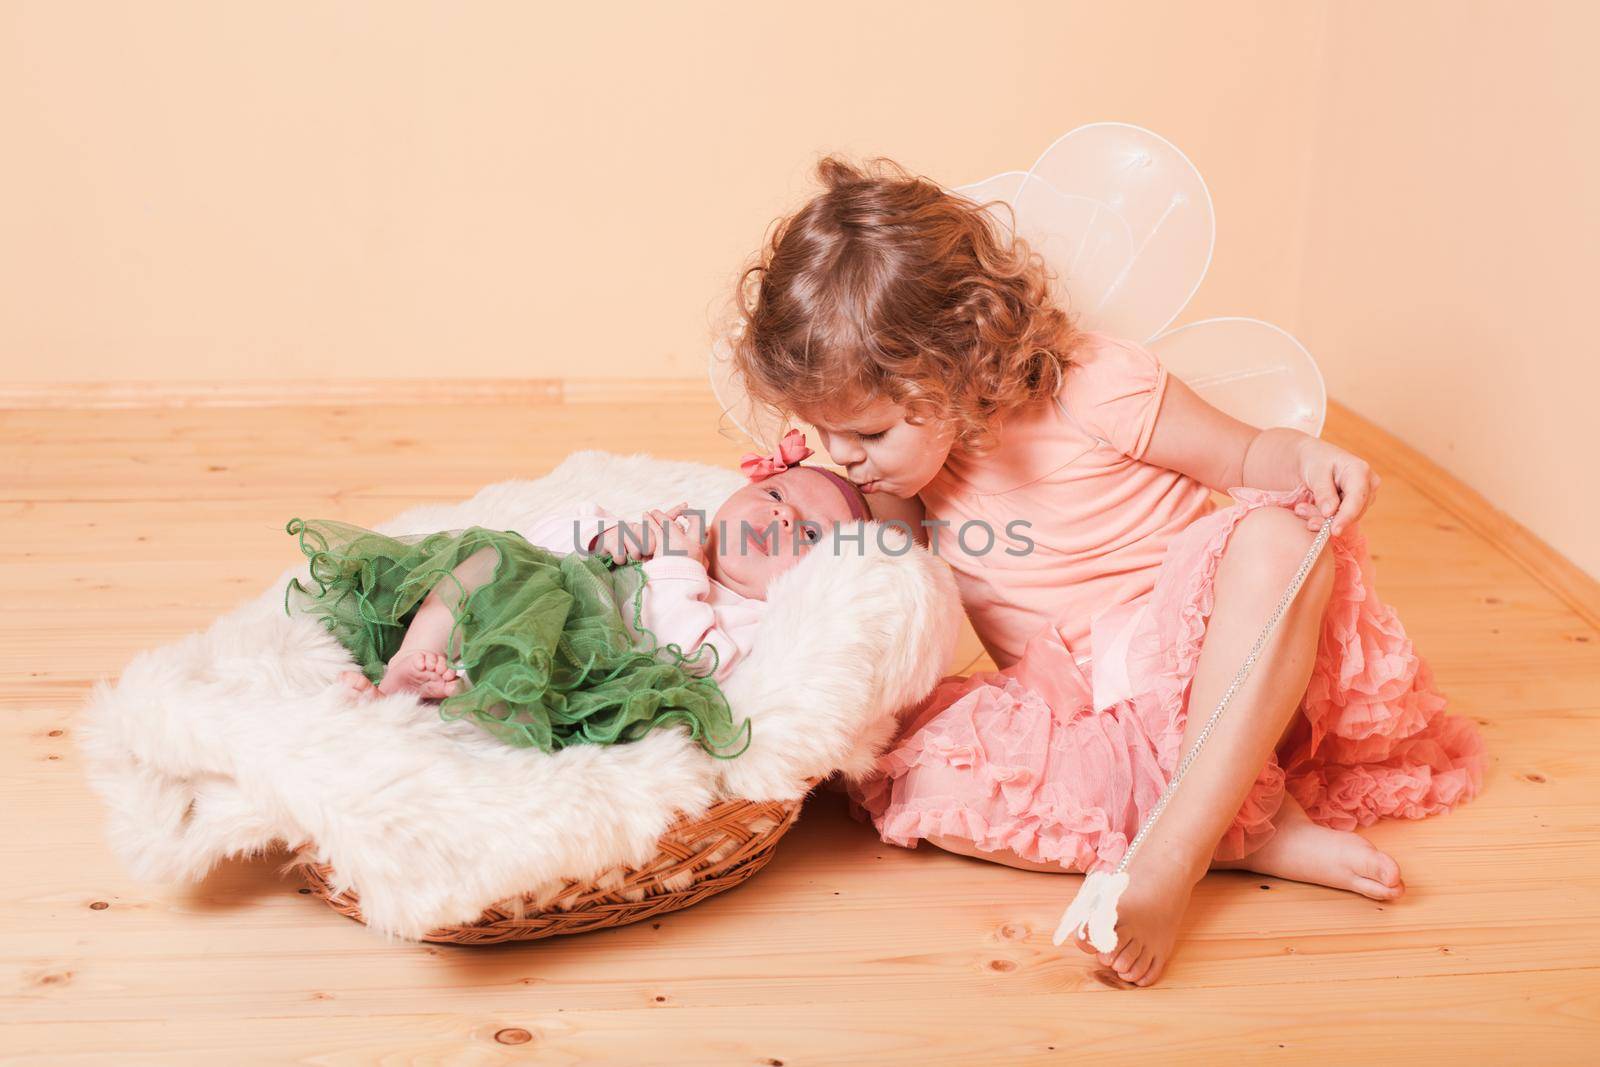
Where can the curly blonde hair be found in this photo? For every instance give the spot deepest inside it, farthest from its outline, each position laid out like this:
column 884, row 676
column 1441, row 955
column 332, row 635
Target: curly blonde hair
column 885, row 285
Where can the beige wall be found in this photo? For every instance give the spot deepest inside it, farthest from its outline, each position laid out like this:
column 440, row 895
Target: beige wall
column 1453, row 248
column 251, row 191
column 262, row 190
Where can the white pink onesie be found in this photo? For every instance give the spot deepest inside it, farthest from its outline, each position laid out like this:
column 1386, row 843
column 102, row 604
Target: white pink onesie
column 682, row 605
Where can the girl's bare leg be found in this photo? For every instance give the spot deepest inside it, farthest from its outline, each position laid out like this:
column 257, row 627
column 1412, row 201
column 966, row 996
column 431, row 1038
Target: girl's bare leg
column 422, row 663
column 1301, row 851
column 1004, row 857
column 1298, row 851
column 1262, row 556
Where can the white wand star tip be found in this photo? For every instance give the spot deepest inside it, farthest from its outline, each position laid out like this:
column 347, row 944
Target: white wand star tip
column 1093, row 912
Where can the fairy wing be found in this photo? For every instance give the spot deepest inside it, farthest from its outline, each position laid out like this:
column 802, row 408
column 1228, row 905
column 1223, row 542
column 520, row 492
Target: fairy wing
column 1255, row 371
column 1125, row 223
column 1122, row 218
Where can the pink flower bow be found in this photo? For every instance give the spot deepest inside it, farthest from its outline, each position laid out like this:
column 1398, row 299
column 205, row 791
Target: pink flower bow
column 791, row 450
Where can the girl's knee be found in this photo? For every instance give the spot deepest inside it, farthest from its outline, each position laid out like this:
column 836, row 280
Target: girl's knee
column 1269, row 545
column 1271, row 535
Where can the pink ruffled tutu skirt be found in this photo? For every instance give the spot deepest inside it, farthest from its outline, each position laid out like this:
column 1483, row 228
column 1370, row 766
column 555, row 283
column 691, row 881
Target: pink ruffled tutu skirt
column 1027, row 759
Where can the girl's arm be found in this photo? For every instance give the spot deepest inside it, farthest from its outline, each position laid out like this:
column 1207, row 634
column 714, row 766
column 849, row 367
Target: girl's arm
column 1217, row 450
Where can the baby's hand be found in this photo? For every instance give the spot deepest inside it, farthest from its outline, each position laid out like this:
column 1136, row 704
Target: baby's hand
column 624, row 542
column 675, row 533
column 629, row 541
column 1342, row 484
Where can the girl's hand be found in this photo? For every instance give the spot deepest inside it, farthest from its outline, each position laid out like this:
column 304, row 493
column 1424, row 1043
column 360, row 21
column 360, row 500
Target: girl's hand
column 1342, row 484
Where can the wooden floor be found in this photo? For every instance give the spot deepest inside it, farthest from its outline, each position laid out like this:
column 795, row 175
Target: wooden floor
column 126, row 527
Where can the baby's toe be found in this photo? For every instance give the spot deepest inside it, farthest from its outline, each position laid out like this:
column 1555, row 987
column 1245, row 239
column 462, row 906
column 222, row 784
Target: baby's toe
column 357, row 685
column 438, row 689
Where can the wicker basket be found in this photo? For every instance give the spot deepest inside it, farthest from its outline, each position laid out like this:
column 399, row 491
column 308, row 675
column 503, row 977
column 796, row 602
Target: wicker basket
column 697, row 858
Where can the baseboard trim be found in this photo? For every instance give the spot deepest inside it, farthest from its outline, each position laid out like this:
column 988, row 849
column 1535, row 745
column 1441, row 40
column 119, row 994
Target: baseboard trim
column 1577, row 589
column 1574, row 586
column 56, row 396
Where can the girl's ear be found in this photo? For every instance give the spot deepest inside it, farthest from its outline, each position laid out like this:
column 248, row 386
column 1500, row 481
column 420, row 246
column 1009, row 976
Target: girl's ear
column 919, row 411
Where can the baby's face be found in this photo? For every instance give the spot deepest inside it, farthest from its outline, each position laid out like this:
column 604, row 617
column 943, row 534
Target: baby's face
column 768, row 526
column 879, row 450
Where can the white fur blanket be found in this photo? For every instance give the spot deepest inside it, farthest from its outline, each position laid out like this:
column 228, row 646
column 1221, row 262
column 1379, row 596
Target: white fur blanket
column 235, row 740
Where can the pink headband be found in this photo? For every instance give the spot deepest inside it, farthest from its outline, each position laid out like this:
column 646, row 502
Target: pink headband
column 791, row 450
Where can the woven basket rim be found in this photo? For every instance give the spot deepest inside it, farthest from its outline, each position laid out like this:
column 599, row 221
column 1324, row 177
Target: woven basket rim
column 720, row 849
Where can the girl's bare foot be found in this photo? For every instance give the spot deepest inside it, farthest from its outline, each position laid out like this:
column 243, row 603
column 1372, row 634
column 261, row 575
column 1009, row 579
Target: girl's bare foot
column 427, row 674
column 1302, row 851
column 358, row 685
column 1158, row 892
column 1148, row 915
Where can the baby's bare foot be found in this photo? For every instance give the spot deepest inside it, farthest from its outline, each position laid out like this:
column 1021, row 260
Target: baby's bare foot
column 1302, row 851
column 428, row 674
column 1148, row 915
column 358, row 685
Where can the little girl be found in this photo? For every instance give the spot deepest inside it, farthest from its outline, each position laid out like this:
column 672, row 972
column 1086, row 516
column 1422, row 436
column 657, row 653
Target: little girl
column 1067, row 479
column 588, row 630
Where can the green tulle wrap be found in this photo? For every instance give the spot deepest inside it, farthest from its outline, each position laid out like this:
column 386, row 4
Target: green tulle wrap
column 546, row 643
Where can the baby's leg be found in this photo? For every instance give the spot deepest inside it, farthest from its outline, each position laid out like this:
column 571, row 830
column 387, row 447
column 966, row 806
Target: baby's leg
column 422, row 663
column 1262, row 556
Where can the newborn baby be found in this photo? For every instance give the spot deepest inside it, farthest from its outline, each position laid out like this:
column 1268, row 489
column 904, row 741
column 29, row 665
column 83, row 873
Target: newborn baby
column 535, row 619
